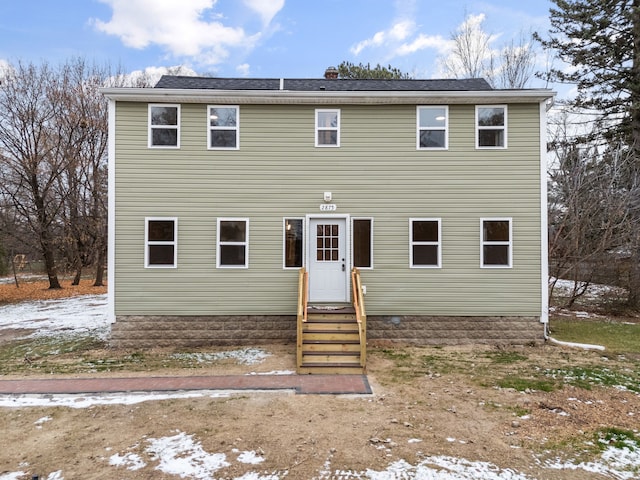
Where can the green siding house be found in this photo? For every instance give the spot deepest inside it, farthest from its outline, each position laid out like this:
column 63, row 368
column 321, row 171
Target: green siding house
column 221, row 190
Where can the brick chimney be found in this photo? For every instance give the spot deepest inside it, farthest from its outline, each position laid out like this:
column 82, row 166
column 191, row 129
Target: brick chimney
column 331, row 73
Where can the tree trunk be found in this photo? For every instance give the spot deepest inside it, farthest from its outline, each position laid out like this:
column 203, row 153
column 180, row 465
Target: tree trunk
column 102, row 256
column 78, row 275
column 50, row 265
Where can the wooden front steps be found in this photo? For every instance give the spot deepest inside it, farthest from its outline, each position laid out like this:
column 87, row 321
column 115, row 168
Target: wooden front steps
column 330, row 342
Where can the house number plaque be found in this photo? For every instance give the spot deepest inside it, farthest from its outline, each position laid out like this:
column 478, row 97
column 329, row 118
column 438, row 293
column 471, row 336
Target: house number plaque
column 328, row 207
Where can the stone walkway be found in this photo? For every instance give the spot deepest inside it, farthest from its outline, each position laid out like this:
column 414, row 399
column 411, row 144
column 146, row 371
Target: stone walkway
column 301, row 384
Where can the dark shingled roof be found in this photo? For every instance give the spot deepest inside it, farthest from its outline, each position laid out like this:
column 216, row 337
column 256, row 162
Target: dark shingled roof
column 329, row 85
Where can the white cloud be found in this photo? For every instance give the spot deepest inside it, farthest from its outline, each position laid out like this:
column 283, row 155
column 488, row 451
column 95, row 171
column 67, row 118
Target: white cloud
column 243, row 70
column 267, row 9
column 423, row 41
column 397, row 33
column 189, row 28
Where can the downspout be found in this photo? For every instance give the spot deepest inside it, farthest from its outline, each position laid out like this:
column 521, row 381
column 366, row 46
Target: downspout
column 544, row 220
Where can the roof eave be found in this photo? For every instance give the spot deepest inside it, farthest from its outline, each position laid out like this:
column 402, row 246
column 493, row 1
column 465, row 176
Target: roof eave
column 324, row 97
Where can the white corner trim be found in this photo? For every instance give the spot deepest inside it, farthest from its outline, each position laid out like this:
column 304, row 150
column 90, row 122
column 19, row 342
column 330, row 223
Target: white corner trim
column 544, row 220
column 111, row 209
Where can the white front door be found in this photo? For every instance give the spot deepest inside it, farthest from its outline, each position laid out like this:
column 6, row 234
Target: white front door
column 328, row 267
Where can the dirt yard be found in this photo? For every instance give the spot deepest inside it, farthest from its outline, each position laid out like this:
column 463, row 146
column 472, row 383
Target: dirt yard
column 480, row 404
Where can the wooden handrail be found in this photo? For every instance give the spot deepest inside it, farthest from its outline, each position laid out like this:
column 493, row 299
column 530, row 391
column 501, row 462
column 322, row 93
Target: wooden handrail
column 361, row 315
column 303, row 297
column 303, row 294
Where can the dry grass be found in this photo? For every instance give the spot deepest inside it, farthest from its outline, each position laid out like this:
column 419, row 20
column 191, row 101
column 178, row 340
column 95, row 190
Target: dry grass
column 29, row 289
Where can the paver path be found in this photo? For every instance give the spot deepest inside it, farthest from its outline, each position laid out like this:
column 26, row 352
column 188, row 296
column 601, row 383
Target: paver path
column 302, row 384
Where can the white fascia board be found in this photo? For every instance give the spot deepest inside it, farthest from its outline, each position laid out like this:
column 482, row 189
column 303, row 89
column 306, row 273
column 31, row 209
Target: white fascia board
column 326, row 97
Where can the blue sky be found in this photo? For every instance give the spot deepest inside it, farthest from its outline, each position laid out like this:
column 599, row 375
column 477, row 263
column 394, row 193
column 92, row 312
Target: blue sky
column 255, row 38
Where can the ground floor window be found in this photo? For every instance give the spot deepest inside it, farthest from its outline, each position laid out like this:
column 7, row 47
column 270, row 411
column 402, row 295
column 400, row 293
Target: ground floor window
column 161, row 244
column 424, row 249
column 293, row 242
column 232, row 243
column 495, row 245
column 362, row 242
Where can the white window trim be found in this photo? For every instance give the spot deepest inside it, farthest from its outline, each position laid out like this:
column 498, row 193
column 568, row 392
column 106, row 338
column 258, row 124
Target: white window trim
column 245, row 243
column 284, row 245
column 445, row 128
column 336, row 128
column 370, row 241
column 483, row 242
column 151, row 127
column 412, row 243
column 236, row 128
column 504, row 127
column 148, row 243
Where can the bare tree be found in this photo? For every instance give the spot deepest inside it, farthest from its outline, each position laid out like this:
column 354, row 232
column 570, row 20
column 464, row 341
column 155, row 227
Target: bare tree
column 83, row 184
column 53, row 141
column 471, row 50
column 473, row 56
column 516, row 64
column 32, row 153
column 588, row 209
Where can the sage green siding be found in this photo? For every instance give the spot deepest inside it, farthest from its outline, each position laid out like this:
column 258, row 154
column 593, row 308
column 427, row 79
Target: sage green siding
column 376, row 172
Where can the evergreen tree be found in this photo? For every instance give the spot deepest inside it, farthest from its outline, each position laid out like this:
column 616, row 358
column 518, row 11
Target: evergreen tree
column 600, row 39
column 361, row 71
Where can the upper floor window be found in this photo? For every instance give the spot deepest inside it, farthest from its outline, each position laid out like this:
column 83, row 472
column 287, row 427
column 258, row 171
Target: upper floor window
column 223, row 127
column 433, row 125
column 496, row 243
column 491, row 126
column 425, row 243
column 164, row 126
column 233, row 243
column 327, row 128
column 161, row 242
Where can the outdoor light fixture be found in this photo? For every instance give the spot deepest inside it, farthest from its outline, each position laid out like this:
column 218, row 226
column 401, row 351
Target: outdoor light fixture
column 327, row 196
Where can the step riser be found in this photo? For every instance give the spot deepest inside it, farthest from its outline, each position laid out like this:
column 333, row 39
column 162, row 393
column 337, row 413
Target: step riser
column 334, row 359
column 330, row 347
column 333, row 337
column 337, row 317
column 315, row 327
column 314, row 370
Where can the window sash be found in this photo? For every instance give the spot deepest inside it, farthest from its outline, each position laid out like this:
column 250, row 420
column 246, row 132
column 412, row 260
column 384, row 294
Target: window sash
column 160, row 252
column 432, row 128
column 232, row 247
column 491, row 126
column 327, row 135
column 223, row 132
column 496, row 250
column 163, row 135
column 425, row 252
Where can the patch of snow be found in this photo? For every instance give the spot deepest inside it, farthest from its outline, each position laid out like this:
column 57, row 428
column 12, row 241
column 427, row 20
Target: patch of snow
column 12, row 475
column 42, row 420
column 273, row 372
column 444, row 468
column 85, row 314
column 131, row 461
column 244, row 356
column 181, row 455
column 616, row 463
column 86, row 401
column 251, row 458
